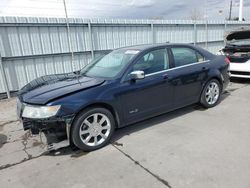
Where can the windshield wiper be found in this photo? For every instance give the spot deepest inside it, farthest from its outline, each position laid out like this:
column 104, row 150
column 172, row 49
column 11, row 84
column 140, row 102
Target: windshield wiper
column 77, row 72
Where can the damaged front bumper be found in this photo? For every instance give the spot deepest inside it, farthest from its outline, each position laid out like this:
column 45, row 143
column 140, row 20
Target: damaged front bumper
column 56, row 130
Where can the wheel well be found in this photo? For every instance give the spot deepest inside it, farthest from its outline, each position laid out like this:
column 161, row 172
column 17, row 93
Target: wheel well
column 216, row 78
column 101, row 105
column 213, row 78
column 219, row 80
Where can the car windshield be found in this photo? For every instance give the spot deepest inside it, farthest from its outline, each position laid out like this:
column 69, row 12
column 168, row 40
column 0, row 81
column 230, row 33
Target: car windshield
column 109, row 65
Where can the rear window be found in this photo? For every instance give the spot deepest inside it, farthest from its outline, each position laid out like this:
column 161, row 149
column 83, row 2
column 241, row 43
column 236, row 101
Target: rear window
column 185, row 56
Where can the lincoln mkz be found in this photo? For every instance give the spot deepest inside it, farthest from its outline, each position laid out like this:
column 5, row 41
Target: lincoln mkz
column 127, row 85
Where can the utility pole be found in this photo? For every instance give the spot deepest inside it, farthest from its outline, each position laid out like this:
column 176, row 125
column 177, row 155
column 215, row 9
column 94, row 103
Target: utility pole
column 240, row 10
column 205, row 15
column 69, row 37
column 230, row 11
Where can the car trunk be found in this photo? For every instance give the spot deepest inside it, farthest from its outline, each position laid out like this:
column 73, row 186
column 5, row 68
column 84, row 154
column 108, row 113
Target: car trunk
column 238, row 53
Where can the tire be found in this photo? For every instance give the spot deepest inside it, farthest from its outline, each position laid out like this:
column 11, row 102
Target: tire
column 211, row 94
column 92, row 129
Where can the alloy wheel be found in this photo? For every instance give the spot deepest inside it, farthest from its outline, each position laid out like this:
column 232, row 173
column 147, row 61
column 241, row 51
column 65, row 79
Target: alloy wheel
column 95, row 129
column 212, row 93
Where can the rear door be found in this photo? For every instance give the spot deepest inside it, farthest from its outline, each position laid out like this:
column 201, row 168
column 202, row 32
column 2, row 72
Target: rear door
column 191, row 70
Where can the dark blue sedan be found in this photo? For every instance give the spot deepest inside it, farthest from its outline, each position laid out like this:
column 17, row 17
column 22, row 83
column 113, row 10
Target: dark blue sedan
column 127, row 85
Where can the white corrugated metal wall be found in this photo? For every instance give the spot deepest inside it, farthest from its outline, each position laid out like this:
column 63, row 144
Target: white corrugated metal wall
column 32, row 47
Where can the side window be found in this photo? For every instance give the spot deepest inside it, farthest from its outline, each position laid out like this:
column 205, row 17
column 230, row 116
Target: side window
column 154, row 61
column 185, row 56
column 200, row 57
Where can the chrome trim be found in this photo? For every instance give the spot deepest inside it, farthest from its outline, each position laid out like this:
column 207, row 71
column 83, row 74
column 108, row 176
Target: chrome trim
column 147, row 75
column 137, row 75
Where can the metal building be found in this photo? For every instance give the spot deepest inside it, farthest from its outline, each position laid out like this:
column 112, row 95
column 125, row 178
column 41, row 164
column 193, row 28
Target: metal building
column 32, row 47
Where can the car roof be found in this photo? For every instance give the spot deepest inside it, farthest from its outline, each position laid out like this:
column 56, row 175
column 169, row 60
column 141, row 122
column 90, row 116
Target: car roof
column 143, row 47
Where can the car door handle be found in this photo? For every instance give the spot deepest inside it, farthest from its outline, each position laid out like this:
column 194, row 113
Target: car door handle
column 204, row 68
column 165, row 76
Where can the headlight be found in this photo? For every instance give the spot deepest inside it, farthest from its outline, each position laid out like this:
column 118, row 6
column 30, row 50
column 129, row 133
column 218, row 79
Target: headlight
column 36, row 112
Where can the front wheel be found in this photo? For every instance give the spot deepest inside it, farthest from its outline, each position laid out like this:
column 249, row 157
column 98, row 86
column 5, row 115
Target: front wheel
column 211, row 94
column 93, row 128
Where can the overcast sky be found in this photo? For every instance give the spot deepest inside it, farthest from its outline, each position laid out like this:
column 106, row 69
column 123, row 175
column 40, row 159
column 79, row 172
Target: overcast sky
column 135, row 9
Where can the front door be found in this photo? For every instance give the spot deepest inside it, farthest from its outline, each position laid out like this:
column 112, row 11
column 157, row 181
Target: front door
column 153, row 94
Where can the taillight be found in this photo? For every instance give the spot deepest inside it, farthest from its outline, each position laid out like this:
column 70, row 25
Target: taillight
column 227, row 60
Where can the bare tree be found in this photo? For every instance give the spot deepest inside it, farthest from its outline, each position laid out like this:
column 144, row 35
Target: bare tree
column 237, row 19
column 195, row 14
column 157, row 18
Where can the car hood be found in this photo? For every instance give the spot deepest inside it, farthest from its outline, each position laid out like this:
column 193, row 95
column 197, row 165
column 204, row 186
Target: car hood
column 239, row 34
column 47, row 88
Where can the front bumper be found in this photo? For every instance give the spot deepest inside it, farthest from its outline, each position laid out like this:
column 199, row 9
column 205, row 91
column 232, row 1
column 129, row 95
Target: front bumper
column 56, row 130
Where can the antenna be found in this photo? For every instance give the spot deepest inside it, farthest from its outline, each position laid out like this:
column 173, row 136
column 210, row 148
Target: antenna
column 230, row 11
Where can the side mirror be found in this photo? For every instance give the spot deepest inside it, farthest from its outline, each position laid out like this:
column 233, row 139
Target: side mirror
column 137, row 75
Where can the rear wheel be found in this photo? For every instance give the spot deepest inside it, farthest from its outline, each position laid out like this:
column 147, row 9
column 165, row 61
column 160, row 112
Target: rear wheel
column 211, row 94
column 93, row 128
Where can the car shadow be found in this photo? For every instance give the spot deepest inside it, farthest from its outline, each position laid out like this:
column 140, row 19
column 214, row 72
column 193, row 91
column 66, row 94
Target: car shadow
column 125, row 131
column 158, row 120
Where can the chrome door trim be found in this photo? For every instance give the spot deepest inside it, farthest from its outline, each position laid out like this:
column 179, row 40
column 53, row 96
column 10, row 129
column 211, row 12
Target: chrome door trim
column 151, row 74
